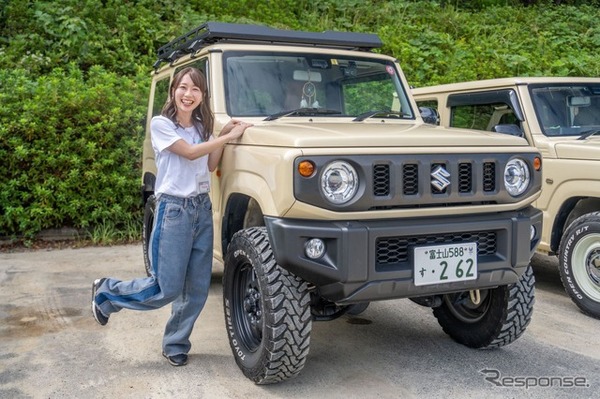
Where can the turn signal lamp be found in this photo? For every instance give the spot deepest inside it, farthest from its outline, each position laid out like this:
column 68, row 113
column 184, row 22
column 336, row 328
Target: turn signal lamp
column 306, row 168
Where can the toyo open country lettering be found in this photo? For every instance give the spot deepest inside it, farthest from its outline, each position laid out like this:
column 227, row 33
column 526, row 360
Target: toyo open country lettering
column 338, row 194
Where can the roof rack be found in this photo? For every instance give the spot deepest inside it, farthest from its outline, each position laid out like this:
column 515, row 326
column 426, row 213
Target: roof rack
column 213, row 32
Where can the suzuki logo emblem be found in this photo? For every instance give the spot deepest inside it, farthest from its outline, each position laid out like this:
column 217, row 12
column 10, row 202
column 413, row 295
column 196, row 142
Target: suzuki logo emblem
column 440, row 178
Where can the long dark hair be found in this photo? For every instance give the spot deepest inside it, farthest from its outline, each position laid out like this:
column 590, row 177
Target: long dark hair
column 202, row 116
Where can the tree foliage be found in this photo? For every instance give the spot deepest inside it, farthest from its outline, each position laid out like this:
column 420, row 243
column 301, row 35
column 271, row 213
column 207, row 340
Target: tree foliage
column 74, row 78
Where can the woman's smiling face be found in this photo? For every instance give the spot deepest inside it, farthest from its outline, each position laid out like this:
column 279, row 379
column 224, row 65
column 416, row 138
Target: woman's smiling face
column 187, row 96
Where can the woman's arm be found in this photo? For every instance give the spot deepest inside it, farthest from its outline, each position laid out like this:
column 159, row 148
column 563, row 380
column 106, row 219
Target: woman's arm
column 212, row 148
column 215, row 157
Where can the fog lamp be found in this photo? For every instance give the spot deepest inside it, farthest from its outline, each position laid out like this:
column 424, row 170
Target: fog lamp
column 314, row 248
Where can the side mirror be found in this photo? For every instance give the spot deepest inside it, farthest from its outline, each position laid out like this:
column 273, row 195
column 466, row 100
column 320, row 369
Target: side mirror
column 511, row 129
column 429, row 115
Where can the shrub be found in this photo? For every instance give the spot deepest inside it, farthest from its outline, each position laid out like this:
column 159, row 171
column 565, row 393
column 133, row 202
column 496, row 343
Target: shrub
column 71, row 147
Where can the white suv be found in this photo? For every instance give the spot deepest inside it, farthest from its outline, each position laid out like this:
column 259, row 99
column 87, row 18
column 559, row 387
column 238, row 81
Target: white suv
column 561, row 117
column 341, row 195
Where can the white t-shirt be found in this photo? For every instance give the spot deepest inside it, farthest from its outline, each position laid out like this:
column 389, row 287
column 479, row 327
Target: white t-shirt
column 176, row 175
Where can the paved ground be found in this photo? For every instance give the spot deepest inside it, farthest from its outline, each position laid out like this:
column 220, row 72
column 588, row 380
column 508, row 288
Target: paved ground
column 50, row 347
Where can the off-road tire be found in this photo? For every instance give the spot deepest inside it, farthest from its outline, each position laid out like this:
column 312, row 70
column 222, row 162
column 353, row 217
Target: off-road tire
column 500, row 318
column 579, row 262
column 149, row 210
column 267, row 310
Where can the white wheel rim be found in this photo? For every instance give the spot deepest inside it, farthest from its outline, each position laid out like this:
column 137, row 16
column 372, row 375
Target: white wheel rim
column 586, row 265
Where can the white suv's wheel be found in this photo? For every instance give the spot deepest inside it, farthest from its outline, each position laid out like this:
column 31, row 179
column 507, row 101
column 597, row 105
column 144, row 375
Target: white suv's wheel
column 579, row 262
column 497, row 319
column 149, row 210
column 267, row 310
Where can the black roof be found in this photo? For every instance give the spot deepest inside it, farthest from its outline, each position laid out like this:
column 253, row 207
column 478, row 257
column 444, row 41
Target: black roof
column 213, row 32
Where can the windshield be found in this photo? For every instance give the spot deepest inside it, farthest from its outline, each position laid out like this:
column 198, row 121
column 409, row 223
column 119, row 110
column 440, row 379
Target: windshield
column 273, row 84
column 567, row 110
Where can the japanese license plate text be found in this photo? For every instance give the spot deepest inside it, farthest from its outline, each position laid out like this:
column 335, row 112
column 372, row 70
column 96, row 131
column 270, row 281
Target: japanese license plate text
column 439, row 264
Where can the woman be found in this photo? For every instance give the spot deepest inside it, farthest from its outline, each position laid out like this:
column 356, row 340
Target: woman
column 181, row 245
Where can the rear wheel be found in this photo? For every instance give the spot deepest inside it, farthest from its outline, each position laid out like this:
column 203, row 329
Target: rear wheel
column 267, row 310
column 579, row 263
column 357, row 308
column 496, row 318
column 149, row 209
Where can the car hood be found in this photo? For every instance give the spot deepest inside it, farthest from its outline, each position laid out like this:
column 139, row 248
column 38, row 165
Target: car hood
column 579, row 149
column 371, row 134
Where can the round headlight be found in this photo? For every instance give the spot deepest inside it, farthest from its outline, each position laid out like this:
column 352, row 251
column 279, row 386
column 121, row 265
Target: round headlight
column 339, row 182
column 516, row 177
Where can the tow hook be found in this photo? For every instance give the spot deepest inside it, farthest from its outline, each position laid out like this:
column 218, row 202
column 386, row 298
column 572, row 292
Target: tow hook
column 475, row 296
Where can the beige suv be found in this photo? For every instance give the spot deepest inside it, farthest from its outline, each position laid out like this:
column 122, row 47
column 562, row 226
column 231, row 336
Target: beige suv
column 561, row 117
column 341, row 195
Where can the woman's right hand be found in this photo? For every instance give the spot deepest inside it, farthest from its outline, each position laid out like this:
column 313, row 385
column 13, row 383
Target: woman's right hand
column 238, row 129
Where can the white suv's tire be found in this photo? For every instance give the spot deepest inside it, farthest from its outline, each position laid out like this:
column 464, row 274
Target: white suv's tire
column 149, row 210
column 501, row 316
column 579, row 262
column 267, row 310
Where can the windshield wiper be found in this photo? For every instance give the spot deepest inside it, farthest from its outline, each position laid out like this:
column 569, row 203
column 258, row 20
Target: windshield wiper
column 386, row 113
column 588, row 133
column 303, row 112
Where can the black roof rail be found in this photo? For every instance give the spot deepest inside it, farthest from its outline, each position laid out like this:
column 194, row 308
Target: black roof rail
column 213, row 32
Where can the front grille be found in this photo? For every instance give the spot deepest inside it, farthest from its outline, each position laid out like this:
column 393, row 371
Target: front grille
column 422, row 183
column 465, row 178
column 410, row 179
column 392, row 250
column 489, row 177
column 381, row 180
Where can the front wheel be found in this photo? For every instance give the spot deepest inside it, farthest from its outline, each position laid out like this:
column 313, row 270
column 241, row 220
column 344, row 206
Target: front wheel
column 495, row 318
column 579, row 262
column 267, row 310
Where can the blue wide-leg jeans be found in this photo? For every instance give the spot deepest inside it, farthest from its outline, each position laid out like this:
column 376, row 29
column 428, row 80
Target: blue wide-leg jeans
column 181, row 252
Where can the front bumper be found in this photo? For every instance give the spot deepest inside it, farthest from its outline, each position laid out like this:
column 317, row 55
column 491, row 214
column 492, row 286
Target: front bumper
column 373, row 259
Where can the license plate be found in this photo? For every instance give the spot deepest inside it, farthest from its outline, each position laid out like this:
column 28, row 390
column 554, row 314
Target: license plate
column 440, row 264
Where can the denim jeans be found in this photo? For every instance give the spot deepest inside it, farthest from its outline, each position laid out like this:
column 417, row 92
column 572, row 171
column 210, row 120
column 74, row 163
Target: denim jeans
column 181, row 252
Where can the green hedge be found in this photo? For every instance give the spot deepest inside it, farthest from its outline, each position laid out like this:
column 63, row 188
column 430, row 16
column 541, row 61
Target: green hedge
column 71, row 149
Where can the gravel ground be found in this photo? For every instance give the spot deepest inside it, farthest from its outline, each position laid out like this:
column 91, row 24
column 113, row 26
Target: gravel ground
column 50, row 346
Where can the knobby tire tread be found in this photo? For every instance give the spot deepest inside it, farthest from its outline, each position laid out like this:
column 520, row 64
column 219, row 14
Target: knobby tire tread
column 587, row 305
column 504, row 322
column 287, row 314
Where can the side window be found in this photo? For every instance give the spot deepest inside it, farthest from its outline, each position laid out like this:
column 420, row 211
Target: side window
column 508, row 118
column 200, row 64
column 161, row 92
column 482, row 116
column 485, row 110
